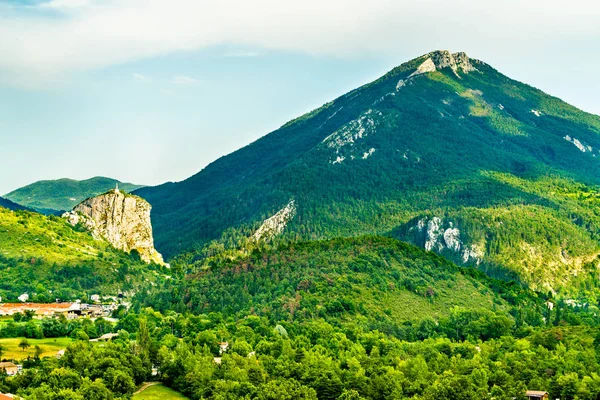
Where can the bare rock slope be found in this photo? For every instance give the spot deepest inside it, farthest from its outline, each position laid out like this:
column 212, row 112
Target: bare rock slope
column 121, row 219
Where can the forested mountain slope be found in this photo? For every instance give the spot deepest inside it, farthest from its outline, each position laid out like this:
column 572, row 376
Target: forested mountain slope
column 10, row 205
column 376, row 282
column 506, row 174
column 49, row 259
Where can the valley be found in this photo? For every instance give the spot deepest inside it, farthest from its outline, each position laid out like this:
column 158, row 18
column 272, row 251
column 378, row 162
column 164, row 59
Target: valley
column 433, row 234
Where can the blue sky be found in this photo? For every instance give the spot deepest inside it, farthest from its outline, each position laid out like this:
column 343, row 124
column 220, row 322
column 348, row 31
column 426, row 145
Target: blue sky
column 152, row 91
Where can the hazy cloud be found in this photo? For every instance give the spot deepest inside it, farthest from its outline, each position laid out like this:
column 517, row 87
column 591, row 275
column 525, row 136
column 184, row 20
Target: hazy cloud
column 243, row 54
column 88, row 34
column 184, row 80
column 65, row 4
column 140, row 77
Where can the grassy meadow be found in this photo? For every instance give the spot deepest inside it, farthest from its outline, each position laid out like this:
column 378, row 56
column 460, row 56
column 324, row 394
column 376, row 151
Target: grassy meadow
column 12, row 351
column 158, row 392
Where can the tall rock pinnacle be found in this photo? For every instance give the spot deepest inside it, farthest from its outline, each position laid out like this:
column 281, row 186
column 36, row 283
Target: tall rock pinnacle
column 121, row 219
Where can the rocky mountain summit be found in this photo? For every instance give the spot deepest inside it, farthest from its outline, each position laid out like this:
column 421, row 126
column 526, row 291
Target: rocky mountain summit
column 121, row 219
column 511, row 173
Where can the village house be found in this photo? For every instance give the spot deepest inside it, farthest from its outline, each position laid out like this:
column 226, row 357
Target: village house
column 223, row 346
column 69, row 310
column 9, row 368
column 536, row 395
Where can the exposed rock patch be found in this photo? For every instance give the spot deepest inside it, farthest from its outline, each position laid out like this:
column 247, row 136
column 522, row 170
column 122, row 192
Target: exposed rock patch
column 427, row 66
column 457, row 62
column 434, row 231
column 369, row 153
column 452, row 239
column 275, row 225
column 582, row 147
column 344, row 141
column 439, row 235
column 536, row 113
column 121, row 219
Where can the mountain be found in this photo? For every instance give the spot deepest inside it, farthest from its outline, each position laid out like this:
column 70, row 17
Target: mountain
column 54, row 196
column 443, row 151
column 10, row 205
column 48, row 258
column 121, row 219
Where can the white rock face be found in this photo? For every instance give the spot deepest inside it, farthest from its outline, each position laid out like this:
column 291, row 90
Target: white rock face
column 353, row 131
column 437, row 60
column 536, row 113
column 437, row 239
column 473, row 253
column 369, row 153
column 276, row 224
column 345, row 141
column 583, row 148
column 457, row 62
column 121, row 219
column 434, row 231
column 452, row 239
column 427, row 66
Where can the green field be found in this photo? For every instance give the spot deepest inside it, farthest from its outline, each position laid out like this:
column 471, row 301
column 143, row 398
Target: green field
column 12, row 351
column 157, row 392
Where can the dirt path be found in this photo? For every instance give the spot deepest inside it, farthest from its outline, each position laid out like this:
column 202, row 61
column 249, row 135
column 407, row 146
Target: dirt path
column 145, row 386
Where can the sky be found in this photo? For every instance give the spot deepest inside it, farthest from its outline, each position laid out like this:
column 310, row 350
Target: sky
column 149, row 91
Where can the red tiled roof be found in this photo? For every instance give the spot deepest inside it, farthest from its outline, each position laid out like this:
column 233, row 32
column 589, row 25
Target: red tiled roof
column 540, row 393
column 39, row 308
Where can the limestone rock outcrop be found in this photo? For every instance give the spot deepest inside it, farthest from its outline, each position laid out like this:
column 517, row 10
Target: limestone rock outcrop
column 121, row 219
column 437, row 234
column 437, row 60
column 275, row 225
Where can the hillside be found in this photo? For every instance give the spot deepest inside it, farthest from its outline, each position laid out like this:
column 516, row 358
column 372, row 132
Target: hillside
column 48, row 258
column 376, row 282
column 10, row 205
column 441, row 136
column 55, row 196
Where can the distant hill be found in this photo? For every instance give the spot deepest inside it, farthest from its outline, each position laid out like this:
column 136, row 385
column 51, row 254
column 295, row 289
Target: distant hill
column 47, row 258
column 54, row 196
column 10, row 205
column 443, row 151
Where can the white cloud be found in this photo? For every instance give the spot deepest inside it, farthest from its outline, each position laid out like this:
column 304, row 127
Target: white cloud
column 243, row 54
column 184, row 80
column 40, row 46
column 65, row 4
column 140, row 77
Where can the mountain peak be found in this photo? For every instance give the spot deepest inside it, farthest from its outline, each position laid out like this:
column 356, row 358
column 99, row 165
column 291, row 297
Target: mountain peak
column 440, row 59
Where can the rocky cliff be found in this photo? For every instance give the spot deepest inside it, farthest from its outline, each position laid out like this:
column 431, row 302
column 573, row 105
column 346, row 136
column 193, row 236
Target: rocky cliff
column 121, row 219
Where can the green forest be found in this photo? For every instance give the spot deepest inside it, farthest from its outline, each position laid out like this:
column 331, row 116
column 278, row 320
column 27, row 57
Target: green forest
column 429, row 236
